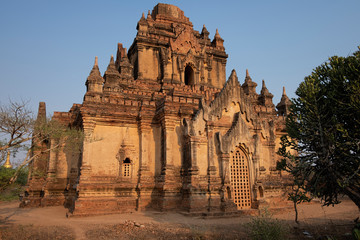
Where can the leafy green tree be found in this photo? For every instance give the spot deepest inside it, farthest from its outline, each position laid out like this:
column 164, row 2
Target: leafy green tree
column 297, row 193
column 323, row 128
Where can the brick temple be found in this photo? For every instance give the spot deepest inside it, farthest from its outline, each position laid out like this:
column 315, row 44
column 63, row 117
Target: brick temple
column 164, row 129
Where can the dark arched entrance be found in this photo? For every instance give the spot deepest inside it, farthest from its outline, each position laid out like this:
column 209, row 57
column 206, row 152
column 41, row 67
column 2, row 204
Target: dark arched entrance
column 189, row 75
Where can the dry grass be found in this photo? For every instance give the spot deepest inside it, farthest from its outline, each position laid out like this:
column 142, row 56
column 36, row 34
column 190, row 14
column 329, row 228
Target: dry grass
column 339, row 231
column 163, row 231
column 51, row 223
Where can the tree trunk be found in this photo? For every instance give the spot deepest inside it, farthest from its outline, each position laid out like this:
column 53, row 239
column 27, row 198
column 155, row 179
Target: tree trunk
column 353, row 193
column 296, row 213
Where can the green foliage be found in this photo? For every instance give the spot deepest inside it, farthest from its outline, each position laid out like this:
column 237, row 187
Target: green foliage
column 356, row 232
column 11, row 192
column 70, row 138
column 264, row 227
column 7, row 173
column 291, row 164
column 23, row 176
column 298, row 196
column 5, row 176
column 324, row 129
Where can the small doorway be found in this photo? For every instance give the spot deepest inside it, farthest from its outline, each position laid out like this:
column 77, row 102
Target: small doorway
column 189, row 75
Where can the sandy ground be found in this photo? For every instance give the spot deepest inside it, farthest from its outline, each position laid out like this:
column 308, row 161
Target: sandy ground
column 313, row 217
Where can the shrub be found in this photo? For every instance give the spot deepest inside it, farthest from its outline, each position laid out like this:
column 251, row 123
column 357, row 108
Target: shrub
column 9, row 192
column 5, row 175
column 23, row 176
column 264, row 227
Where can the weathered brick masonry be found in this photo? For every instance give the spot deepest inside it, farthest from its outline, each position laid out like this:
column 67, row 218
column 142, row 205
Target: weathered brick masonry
column 165, row 130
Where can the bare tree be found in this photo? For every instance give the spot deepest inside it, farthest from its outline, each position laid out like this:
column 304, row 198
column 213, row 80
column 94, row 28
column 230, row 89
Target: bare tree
column 16, row 127
column 20, row 130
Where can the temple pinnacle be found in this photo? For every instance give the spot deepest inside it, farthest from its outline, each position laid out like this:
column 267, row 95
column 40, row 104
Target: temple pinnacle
column 263, row 84
column 217, row 35
column 96, row 61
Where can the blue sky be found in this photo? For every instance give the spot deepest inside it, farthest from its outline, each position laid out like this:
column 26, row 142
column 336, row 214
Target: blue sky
column 47, row 48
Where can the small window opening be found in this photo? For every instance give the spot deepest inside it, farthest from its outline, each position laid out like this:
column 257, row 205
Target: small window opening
column 189, row 75
column 126, row 167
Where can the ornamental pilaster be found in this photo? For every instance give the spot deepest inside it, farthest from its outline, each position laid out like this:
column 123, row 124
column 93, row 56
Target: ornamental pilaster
column 140, row 61
column 211, row 148
column 168, row 129
column 225, row 159
column 88, row 126
column 144, row 132
column 194, row 146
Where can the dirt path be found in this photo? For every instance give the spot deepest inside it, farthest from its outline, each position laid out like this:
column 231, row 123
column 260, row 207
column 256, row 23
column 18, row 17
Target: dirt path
column 310, row 215
column 56, row 216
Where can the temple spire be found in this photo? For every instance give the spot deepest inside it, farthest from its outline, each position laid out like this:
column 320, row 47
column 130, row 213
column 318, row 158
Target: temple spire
column 218, row 42
column 95, row 72
column 119, row 55
column 205, row 33
column 111, row 77
column 264, row 90
column 249, row 86
column 248, row 78
column 142, row 20
column 111, row 69
column 233, row 75
column 125, row 67
column 142, row 25
column 233, row 79
column 41, row 117
column 266, row 97
column 94, row 81
column 217, row 35
column 96, row 61
column 284, row 104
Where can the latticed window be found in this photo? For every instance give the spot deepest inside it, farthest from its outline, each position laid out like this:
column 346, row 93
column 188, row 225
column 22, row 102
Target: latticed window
column 239, row 173
column 126, row 167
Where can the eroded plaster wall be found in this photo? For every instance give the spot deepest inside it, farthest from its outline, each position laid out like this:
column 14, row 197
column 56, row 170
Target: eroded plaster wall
column 105, row 146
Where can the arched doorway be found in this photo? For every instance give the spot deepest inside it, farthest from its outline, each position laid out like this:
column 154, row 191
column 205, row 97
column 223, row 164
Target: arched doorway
column 240, row 181
column 189, row 75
